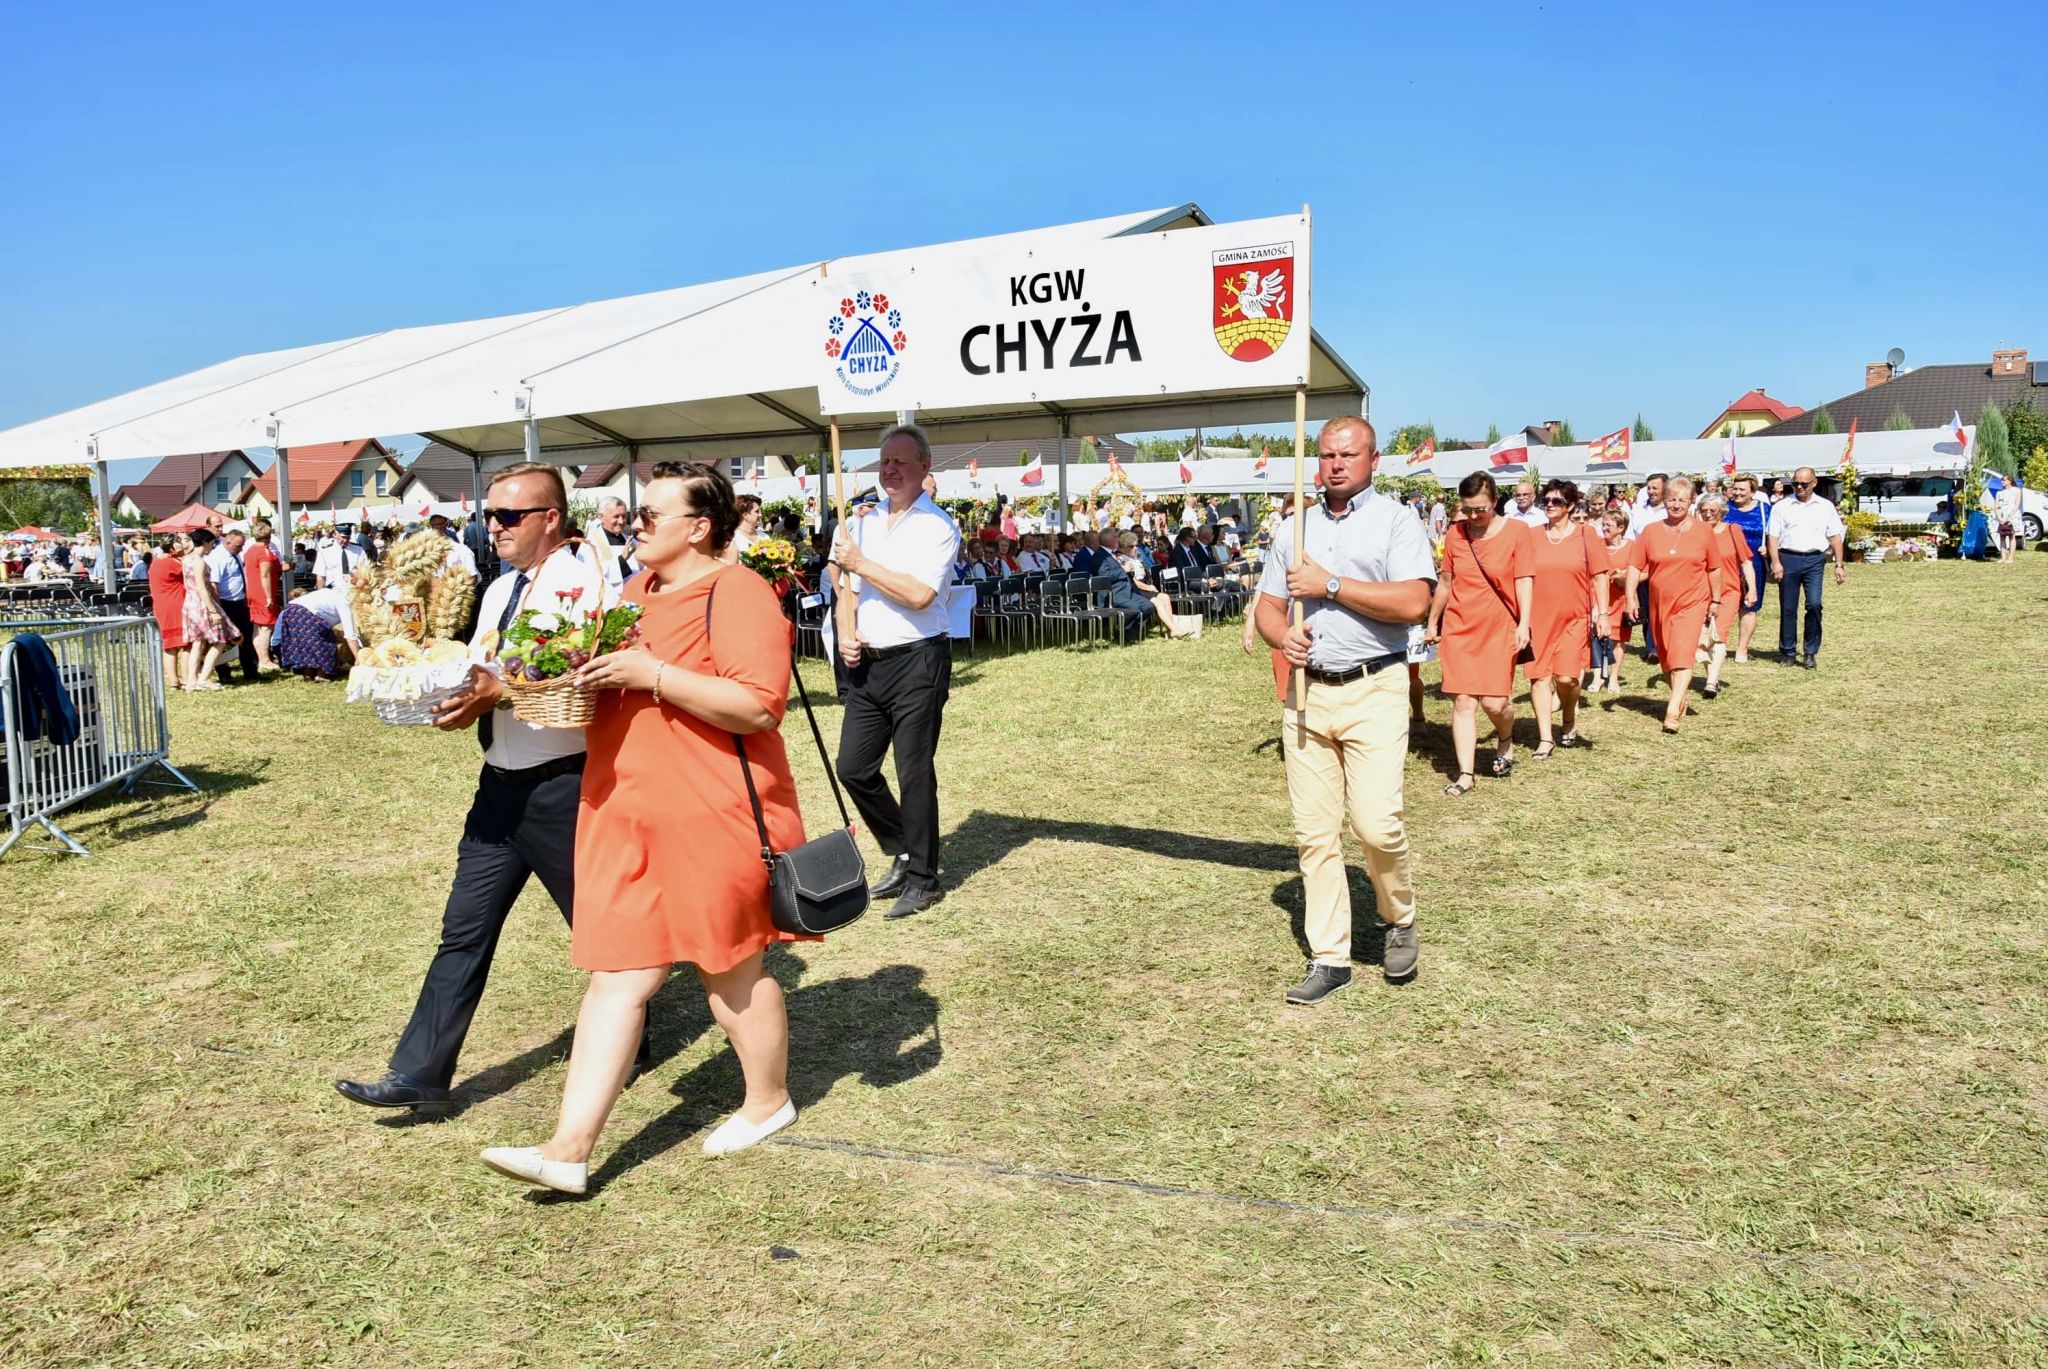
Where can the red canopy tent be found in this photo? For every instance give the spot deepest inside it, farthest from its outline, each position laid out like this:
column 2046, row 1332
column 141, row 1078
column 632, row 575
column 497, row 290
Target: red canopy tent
column 33, row 534
column 188, row 519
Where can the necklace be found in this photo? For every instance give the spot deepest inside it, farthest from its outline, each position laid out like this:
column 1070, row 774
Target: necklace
column 1555, row 540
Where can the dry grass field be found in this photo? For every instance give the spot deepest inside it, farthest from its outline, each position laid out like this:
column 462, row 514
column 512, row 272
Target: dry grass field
column 1727, row 1049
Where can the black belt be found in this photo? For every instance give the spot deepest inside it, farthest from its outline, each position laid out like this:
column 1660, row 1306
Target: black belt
column 1357, row 672
column 883, row 653
column 535, row 774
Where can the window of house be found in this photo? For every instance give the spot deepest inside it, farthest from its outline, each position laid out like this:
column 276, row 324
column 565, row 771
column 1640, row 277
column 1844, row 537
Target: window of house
column 220, row 489
column 381, row 473
column 355, row 483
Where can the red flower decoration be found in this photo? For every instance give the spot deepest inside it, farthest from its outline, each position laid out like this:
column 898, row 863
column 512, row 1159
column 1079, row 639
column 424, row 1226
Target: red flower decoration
column 881, row 304
column 899, row 339
column 832, row 347
column 846, row 307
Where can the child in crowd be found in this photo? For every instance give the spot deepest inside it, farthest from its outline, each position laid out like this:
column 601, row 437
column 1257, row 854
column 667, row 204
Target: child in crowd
column 1607, row 650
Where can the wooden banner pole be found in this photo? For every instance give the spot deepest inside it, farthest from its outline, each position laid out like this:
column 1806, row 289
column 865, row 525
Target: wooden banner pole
column 1300, row 681
column 838, row 480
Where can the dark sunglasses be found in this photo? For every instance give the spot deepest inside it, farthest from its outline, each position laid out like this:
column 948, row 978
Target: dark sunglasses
column 512, row 518
column 1554, row 501
column 1802, row 484
column 652, row 518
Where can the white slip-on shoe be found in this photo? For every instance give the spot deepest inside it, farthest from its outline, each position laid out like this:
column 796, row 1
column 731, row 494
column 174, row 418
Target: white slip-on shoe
column 737, row 1133
column 526, row 1163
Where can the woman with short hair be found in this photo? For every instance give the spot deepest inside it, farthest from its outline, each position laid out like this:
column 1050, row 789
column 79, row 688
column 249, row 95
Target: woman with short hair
column 1569, row 604
column 1731, row 556
column 1676, row 556
column 689, row 713
column 1478, row 621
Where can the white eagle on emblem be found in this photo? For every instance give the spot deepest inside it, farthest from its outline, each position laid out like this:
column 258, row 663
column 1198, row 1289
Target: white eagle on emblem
column 1258, row 297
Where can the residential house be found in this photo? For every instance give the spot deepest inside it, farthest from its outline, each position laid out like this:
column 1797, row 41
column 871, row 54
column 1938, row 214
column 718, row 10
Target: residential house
column 608, row 478
column 328, row 479
column 1754, row 412
column 209, row 478
column 1930, row 396
column 437, row 475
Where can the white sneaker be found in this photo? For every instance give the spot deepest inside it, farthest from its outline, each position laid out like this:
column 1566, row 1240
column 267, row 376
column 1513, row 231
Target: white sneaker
column 526, row 1163
column 737, row 1133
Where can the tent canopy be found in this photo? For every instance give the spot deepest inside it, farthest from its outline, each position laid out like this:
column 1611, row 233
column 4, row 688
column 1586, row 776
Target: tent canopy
column 722, row 369
column 188, row 519
column 1912, row 451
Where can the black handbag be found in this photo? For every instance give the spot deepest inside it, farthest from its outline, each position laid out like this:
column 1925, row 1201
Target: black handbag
column 822, row 885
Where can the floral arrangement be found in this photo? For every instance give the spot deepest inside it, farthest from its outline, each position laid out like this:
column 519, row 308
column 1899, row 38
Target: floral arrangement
column 546, row 644
column 774, row 560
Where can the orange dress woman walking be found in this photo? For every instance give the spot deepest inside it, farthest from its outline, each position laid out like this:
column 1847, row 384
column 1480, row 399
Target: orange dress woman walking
column 1677, row 556
column 1734, row 567
column 1478, row 621
column 1570, row 568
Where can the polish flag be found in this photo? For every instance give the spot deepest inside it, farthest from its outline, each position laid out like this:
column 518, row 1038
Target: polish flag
column 803, row 481
column 1187, row 471
column 974, row 469
column 426, row 510
column 1510, row 454
column 305, row 517
column 1956, row 426
column 1034, row 474
column 1849, row 447
column 1259, row 466
column 1426, row 452
column 1728, row 456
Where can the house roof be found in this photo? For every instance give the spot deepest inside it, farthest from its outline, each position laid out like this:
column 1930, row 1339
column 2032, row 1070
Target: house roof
column 1754, row 402
column 315, row 469
column 158, row 499
column 1929, row 395
column 189, row 473
column 445, row 472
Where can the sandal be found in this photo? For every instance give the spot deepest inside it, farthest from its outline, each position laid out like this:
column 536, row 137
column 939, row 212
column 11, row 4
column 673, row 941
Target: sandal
column 1502, row 766
column 1569, row 739
column 1461, row 786
column 1543, row 752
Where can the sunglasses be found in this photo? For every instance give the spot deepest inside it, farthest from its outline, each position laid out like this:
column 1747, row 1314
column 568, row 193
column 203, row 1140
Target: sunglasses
column 654, row 518
column 1554, row 501
column 512, row 518
column 1802, row 484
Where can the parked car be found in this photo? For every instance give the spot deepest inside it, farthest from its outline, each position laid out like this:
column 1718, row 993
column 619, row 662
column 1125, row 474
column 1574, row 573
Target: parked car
column 2033, row 513
column 1906, row 498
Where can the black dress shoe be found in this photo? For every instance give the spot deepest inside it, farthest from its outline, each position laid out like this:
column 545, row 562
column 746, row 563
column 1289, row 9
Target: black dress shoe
column 394, row 1090
column 1809, row 662
column 891, row 884
column 914, row 899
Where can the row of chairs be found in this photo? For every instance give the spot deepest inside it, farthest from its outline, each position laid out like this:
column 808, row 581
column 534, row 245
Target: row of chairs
column 1070, row 608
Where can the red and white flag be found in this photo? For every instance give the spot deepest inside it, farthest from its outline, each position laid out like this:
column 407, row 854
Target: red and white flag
column 974, row 469
column 1187, row 470
column 1426, row 452
column 1849, row 447
column 464, row 503
column 305, row 517
column 1259, row 466
column 1728, row 456
column 1034, row 473
column 426, row 510
column 803, row 481
column 754, row 477
column 1116, row 467
column 1510, row 454
column 1956, row 426
column 1609, row 453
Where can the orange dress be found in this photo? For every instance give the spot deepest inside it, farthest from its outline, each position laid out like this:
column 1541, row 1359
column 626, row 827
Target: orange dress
column 1679, row 562
column 1477, row 642
column 1561, row 607
column 668, row 861
column 1617, row 592
column 1731, row 554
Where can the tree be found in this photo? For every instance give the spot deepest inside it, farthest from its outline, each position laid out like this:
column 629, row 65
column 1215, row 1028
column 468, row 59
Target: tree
column 2036, row 474
column 1727, row 430
column 65, row 505
column 1088, row 453
column 1642, row 431
column 2028, row 428
column 1411, row 436
column 1823, row 421
column 1899, row 422
column 1492, row 433
column 1994, row 442
column 1563, row 437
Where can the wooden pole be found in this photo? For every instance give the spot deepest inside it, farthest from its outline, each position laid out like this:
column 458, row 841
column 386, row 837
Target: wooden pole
column 838, row 480
column 1300, row 681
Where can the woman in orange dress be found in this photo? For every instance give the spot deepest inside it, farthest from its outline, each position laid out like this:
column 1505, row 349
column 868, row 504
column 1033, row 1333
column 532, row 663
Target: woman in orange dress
column 1613, row 526
column 1569, row 602
column 1677, row 555
column 668, row 860
column 1476, row 632
column 1738, row 585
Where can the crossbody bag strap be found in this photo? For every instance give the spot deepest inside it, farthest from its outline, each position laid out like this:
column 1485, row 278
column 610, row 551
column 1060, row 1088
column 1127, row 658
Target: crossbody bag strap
column 740, row 748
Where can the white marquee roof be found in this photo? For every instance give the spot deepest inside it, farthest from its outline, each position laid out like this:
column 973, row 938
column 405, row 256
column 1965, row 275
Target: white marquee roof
column 723, row 369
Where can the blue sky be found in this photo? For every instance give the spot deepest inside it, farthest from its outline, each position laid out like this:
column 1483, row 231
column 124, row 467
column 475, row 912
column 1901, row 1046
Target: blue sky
column 1522, row 212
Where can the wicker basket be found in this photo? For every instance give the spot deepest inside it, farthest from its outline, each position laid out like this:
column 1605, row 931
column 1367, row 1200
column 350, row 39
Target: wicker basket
column 559, row 702
column 406, row 696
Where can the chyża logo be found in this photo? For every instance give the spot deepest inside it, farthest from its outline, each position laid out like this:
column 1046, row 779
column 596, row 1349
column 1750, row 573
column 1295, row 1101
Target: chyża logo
column 865, row 340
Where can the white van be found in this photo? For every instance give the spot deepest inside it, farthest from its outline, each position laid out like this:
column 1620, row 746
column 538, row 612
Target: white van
column 1920, row 498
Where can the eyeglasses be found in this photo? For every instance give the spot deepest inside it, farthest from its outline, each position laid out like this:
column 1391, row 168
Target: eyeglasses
column 511, row 518
column 1802, row 484
column 1554, row 501
column 651, row 518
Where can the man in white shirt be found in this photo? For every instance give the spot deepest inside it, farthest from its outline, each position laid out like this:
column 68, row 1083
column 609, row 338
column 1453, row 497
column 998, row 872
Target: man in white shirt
column 522, row 820
column 1799, row 537
column 891, row 570
column 1525, row 510
column 1033, row 560
column 336, row 560
column 231, row 587
column 612, row 543
column 460, row 557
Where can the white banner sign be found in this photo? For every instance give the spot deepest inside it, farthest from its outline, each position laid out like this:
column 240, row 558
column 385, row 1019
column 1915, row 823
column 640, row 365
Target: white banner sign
column 1191, row 311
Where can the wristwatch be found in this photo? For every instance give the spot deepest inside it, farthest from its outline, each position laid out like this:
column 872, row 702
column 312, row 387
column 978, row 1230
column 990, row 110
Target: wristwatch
column 1331, row 587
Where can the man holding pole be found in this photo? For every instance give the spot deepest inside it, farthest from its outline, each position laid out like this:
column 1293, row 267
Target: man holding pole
column 891, row 572
column 1364, row 575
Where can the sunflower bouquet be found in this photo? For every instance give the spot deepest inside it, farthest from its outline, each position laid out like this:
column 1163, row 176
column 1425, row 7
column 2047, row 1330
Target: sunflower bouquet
column 774, row 559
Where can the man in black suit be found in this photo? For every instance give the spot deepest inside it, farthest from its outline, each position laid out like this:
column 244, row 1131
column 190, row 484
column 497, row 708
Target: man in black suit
column 1187, row 552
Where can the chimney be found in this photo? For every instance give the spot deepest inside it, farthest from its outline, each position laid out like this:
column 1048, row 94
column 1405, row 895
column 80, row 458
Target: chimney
column 1551, row 425
column 1876, row 373
column 2009, row 361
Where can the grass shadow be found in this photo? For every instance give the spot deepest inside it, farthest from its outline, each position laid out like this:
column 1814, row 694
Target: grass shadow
column 185, row 808
column 985, row 838
column 1368, row 931
column 881, row 1028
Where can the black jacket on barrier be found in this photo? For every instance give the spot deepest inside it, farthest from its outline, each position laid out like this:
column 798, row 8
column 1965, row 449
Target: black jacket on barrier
column 39, row 695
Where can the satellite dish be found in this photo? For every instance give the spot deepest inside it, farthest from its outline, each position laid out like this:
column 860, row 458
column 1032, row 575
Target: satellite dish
column 1896, row 357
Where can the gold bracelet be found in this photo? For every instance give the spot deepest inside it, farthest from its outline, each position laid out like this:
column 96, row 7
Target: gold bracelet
column 655, row 688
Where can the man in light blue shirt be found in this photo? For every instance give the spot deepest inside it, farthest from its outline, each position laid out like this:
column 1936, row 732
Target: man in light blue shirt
column 1365, row 575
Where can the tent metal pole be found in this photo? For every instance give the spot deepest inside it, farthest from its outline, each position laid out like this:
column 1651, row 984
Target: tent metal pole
column 1060, row 522
column 284, row 513
column 106, row 517
column 532, row 429
column 632, row 481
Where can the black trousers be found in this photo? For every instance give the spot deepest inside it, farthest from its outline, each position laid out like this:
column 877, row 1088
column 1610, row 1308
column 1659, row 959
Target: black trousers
column 898, row 701
column 513, row 830
column 236, row 611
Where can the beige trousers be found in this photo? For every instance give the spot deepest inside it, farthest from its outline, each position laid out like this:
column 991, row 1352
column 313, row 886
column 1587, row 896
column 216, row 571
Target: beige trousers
column 1349, row 760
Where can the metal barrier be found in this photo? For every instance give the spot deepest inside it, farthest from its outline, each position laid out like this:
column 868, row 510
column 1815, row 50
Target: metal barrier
column 113, row 670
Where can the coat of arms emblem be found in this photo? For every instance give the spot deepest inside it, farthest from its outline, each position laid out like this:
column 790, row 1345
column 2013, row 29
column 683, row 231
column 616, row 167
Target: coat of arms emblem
column 1254, row 298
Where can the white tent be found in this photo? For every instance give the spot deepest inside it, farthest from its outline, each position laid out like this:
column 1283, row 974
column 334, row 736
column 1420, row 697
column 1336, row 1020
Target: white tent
column 1914, row 451
column 714, row 370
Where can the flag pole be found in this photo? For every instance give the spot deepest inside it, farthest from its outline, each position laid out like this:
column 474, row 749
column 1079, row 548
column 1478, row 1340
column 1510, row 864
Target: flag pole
column 1302, row 285
column 838, row 481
